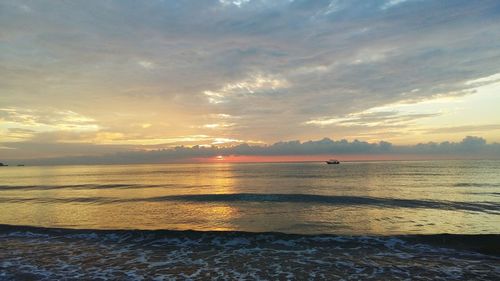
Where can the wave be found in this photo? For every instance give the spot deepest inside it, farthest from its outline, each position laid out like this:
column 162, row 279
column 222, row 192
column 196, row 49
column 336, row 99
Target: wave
column 333, row 200
column 53, row 253
column 91, row 186
column 486, row 207
column 163, row 185
column 485, row 193
column 476, row 184
column 483, row 243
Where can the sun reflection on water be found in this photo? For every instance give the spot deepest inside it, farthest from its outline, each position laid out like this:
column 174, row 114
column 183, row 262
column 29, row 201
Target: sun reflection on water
column 147, row 197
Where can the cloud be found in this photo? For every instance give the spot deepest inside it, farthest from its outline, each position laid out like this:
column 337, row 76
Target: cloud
column 146, row 64
column 391, row 3
column 469, row 147
column 274, row 64
column 255, row 84
column 470, row 144
column 372, row 119
column 218, row 125
column 461, row 129
column 24, row 124
column 66, row 118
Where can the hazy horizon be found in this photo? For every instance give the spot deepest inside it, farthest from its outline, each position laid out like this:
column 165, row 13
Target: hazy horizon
column 291, row 151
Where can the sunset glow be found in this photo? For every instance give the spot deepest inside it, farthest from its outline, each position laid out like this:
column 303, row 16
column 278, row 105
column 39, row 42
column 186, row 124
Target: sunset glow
column 114, row 77
column 249, row 140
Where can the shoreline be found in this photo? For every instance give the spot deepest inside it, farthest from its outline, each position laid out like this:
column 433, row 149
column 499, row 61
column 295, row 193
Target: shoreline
column 481, row 243
column 35, row 253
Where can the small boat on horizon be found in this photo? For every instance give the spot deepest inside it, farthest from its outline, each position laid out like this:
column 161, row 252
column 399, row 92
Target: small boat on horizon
column 333, row 161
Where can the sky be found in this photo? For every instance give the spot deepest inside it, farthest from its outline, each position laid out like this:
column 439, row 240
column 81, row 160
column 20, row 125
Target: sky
column 95, row 79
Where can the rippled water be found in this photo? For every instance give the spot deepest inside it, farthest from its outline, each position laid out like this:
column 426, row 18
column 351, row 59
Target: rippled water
column 360, row 208
column 374, row 198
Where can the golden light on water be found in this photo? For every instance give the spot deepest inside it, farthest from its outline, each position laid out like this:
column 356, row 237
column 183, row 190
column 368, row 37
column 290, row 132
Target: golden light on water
column 228, row 196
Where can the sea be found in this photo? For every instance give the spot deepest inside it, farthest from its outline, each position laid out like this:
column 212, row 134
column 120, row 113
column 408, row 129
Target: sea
column 414, row 220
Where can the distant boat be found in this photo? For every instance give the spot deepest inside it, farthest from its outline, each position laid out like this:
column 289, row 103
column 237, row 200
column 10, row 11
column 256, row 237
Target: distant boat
column 332, row 161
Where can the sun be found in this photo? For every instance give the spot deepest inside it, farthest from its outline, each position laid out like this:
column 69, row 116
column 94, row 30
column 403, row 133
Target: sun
column 219, row 157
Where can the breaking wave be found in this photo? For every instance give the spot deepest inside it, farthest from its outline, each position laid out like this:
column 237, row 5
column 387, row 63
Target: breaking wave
column 51, row 253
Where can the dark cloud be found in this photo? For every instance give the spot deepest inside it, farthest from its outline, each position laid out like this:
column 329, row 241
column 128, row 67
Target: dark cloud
column 469, row 147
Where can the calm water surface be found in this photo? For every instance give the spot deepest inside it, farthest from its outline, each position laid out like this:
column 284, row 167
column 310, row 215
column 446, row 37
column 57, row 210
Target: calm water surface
column 379, row 198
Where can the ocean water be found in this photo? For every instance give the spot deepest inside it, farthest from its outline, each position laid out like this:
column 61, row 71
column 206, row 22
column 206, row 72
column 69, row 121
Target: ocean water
column 372, row 198
column 371, row 220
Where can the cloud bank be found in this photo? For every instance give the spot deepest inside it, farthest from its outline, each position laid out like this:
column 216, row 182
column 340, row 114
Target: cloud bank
column 469, row 148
